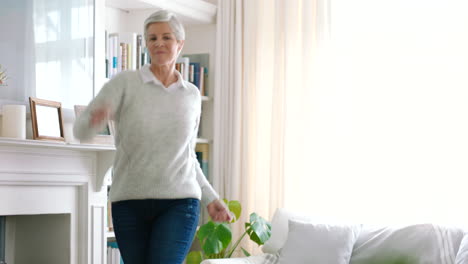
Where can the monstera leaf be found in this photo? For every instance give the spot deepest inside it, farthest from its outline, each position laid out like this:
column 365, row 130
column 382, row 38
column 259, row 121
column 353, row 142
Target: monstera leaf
column 214, row 237
column 194, row 257
column 235, row 208
column 259, row 229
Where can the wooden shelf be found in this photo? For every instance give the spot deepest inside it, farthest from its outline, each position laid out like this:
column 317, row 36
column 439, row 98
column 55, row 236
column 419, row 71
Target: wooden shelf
column 203, row 140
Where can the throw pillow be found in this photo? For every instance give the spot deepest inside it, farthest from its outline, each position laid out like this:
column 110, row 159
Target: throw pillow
column 318, row 243
column 279, row 229
column 462, row 255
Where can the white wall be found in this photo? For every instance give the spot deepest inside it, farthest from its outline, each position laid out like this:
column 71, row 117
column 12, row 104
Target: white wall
column 115, row 20
column 136, row 19
column 202, row 39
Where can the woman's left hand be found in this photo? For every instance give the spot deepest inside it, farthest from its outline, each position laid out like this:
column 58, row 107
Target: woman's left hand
column 219, row 212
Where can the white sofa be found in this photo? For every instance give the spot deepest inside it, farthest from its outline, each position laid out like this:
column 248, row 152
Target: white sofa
column 301, row 239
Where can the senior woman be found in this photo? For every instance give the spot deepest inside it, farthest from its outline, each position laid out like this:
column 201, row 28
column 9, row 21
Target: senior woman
column 157, row 181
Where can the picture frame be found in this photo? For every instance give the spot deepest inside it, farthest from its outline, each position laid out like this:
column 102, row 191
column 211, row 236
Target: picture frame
column 105, row 137
column 46, row 119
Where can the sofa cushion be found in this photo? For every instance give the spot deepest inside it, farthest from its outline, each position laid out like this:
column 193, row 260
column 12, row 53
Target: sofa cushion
column 318, row 243
column 462, row 255
column 279, row 228
column 423, row 243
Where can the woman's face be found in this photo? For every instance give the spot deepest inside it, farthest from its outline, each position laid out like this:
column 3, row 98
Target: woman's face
column 162, row 44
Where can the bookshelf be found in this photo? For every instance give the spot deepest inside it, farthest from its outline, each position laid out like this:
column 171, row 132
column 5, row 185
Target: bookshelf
column 122, row 17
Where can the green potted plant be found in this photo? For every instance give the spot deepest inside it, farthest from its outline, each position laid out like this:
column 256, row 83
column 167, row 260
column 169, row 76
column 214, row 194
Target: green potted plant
column 215, row 238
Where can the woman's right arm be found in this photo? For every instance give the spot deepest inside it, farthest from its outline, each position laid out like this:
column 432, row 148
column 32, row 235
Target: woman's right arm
column 102, row 108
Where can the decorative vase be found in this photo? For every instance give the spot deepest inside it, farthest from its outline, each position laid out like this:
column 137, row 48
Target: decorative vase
column 14, row 121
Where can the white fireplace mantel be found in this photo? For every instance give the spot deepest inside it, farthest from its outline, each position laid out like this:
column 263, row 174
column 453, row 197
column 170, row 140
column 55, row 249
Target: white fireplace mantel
column 46, row 177
column 104, row 153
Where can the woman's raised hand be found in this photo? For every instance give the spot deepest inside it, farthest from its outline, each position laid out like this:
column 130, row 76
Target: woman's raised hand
column 219, row 212
column 100, row 115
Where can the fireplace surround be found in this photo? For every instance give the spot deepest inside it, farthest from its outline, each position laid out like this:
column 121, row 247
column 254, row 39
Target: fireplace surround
column 47, row 178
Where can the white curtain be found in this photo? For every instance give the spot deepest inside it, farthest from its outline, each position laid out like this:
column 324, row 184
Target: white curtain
column 48, row 50
column 393, row 122
column 17, row 51
column 354, row 110
column 261, row 51
column 64, row 54
column 229, row 160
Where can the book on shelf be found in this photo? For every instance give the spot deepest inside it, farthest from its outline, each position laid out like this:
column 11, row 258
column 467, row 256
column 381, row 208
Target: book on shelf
column 124, row 51
column 106, row 52
column 145, row 58
column 130, row 40
column 182, row 65
column 124, row 55
column 198, row 71
column 203, row 76
column 113, row 253
column 110, row 225
column 193, row 72
column 202, row 152
column 200, row 132
column 139, row 50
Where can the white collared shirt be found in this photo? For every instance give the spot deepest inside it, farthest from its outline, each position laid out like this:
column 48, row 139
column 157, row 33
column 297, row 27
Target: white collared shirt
column 148, row 76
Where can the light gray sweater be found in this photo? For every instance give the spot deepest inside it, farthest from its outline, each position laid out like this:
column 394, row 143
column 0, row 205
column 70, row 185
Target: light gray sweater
column 156, row 136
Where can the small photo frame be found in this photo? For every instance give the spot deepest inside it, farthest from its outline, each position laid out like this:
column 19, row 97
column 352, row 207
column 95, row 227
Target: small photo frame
column 104, row 137
column 46, row 119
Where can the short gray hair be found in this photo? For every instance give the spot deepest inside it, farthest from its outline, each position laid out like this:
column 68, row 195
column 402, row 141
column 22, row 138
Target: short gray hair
column 165, row 16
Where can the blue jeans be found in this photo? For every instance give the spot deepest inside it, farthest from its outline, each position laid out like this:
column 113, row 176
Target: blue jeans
column 155, row 231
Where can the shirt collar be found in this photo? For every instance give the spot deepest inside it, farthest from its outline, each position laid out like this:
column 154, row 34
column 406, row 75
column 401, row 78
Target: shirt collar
column 148, row 76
